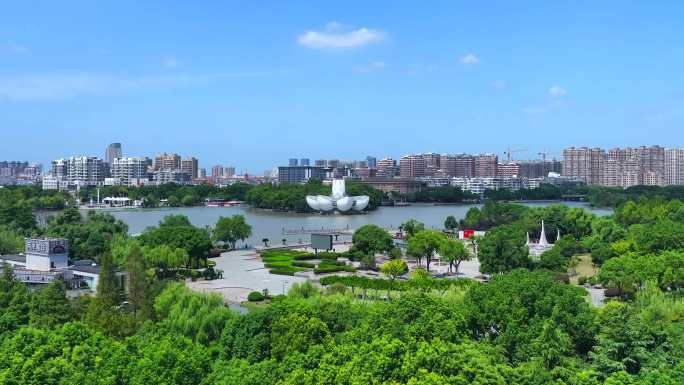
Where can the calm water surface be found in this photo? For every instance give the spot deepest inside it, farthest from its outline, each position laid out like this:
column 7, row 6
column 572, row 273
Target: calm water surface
column 268, row 224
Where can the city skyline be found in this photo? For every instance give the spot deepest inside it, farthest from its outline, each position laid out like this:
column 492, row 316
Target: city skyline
column 252, row 84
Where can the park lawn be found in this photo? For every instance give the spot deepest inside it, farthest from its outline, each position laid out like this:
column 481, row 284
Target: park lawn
column 585, row 268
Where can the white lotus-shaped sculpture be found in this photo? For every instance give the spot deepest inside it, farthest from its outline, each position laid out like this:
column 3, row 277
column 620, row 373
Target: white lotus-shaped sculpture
column 338, row 200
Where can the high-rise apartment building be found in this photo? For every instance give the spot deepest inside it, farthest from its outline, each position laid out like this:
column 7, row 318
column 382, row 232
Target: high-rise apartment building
column 190, row 166
column 633, row 166
column 372, row 161
column 113, row 151
column 167, row 162
column 130, row 170
column 301, row 174
column 387, row 167
column 304, row 162
column 80, row 170
column 412, row 166
column 509, row 169
column 217, row 171
column 229, row 171
column 674, row 166
column 320, row 163
column 486, row 165
column 294, row 162
column 585, row 163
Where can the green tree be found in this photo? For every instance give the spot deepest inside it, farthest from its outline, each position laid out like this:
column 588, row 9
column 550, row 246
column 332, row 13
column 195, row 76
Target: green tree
column 165, row 258
column 103, row 313
column 503, row 249
column 450, row 223
column 49, row 306
column 412, row 227
column 139, row 294
column 393, row 269
column 454, row 252
column 196, row 242
column 424, row 243
column 231, row 229
column 10, row 242
column 297, row 333
column 372, row 239
column 175, row 220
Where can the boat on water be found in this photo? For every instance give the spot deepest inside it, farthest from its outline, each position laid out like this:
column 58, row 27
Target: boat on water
column 210, row 202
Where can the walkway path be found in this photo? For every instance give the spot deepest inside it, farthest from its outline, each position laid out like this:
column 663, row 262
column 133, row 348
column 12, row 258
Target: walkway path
column 243, row 272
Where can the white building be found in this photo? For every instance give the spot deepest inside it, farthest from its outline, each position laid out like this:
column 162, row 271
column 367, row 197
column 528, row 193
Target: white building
column 129, row 170
column 54, row 183
column 80, row 170
column 674, row 166
column 47, row 259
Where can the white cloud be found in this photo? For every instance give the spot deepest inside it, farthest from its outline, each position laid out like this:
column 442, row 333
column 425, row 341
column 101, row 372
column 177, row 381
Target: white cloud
column 470, row 59
column 373, row 66
column 170, row 62
column 557, row 91
column 337, row 35
column 14, row 48
column 55, row 87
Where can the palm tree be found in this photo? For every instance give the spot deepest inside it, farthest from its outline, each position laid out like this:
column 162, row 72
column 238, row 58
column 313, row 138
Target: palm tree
column 265, row 241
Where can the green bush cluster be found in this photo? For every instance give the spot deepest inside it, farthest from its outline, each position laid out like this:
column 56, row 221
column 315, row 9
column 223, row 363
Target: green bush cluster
column 255, row 296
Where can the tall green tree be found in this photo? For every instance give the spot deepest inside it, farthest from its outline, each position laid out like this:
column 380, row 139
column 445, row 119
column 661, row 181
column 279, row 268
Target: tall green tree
column 424, row 243
column 371, row 239
column 393, row 269
column 454, row 252
column 49, row 306
column 139, row 293
column 411, row 227
column 231, row 229
column 103, row 311
column 450, row 223
column 503, row 249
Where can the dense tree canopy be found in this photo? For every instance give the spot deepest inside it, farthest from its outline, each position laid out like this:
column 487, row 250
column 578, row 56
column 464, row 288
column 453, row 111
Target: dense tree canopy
column 503, row 249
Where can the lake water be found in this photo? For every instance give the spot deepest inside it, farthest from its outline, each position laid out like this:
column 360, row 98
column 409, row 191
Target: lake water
column 269, row 224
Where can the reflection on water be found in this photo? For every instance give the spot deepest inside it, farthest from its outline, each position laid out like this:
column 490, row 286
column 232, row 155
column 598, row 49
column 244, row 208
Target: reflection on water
column 268, row 224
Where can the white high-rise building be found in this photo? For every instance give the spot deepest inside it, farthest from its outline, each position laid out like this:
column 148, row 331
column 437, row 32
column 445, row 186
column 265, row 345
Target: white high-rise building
column 130, row 170
column 80, row 170
column 674, row 166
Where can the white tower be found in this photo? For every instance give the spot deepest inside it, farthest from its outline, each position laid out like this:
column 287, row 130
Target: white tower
column 542, row 236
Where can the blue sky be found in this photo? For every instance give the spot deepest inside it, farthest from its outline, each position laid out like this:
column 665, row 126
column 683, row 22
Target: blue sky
column 253, row 83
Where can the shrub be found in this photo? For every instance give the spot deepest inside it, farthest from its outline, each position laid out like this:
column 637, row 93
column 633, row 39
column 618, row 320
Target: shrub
column 285, row 270
column 255, row 296
column 582, row 280
column 304, row 256
column 334, row 269
column 337, row 288
column 307, row 265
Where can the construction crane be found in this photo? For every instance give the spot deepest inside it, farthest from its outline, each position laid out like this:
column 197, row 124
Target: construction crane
column 544, row 154
column 509, row 153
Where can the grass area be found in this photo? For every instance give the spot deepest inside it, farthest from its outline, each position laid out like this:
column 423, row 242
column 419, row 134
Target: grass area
column 288, row 262
column 584, row 269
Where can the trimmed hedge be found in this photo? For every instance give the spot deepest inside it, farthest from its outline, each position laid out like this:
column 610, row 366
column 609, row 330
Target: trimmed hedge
column 384, row 284
column 308, row 265
column 285, row 270
column 334, row 269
